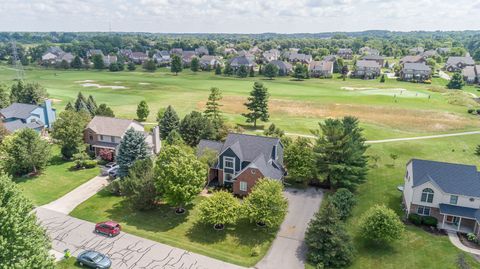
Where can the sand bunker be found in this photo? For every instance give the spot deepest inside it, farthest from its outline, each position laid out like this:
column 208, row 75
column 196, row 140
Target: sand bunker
column 84, row 81
column 144, row 83
column 102, row 86
column 397, row 92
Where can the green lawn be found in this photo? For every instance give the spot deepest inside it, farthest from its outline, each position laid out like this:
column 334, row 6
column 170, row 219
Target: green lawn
column 233, row 245
column 417, row 249
column 303, row 103
column 69, row 263
column 55, row 181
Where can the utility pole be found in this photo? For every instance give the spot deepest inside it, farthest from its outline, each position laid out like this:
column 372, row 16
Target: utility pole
column 17, row 64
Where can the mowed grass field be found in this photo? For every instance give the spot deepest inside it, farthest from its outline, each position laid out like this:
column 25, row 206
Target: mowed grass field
column 386, row 110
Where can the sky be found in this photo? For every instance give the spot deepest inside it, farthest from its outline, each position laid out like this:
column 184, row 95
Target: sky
column 238, row 16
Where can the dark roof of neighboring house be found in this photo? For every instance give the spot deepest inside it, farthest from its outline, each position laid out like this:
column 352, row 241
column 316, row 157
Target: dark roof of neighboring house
column 342, row 51
column 138, row 54
column 417, row 66
column 460, row 211
column 320, row 66
column 241, row 60
column 452, row 178
column 18, row 110
column 373, row 57
column 412, row 59
column 330, row 58
column 282, row 65
column 367, row 63
column 15, row 125
column 455, row 60
column 209, row 144
column 110, row 126
column 299, row 56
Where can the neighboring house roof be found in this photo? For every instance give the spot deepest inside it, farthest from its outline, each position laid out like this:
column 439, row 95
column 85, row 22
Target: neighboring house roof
column 373, row 57
column 416, row 67
column 282, row 65
column 15, row 125
column 430, row 53
column 55, row 50
column 110, row 126
column 209, row 144
column 138, row 54
column 201, row 50
column 369, row 51
column 299, row 57
column 344, row 51
column 18, row 110
column 412, row 59
column 330, row 58
column 460, row 211
column 417, row 50
column 367, row 64
column 452, row 178
column 456, row 60
column 469, row 72
column 322, row 66
column 241, row 60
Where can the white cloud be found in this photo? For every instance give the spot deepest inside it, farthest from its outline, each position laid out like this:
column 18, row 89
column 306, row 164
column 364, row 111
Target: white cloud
column 247, row 16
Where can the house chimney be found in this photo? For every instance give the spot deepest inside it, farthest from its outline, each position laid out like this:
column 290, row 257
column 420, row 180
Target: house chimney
column 50, row 116
column 157, row 143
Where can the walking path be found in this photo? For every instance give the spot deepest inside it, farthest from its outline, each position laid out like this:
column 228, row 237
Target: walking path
column 69, row 201
column 443, row 75
column 456, row 242
column 288, row 249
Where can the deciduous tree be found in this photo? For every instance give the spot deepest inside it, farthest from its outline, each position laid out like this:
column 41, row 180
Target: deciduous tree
column 195, row 64
column 98, row 62
column 28, row 93
column 142, row 110
column 176, row 66
column 104, row 110
column 219, row 209
column 195, row 126
column 300, row 159
column 4, row 96
column 270, row 71
column 381, row 225
column 76, row 63
column 68, row 131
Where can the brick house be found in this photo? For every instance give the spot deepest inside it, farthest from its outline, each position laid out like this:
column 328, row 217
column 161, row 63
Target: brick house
column 244, row 159
column 446, row 191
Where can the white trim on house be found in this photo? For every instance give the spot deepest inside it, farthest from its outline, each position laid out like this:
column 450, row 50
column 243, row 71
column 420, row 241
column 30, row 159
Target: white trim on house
column 243, row 186
column 232, row 159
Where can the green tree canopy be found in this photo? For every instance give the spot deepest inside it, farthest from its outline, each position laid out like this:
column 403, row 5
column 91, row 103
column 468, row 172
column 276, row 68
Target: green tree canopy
column 150, row 66
column 81, row 103
column 265, row 204
column 133, row 147
column 194, row 127
column 456, row 82
column 242, row 71
column 257, row 104
column 24, row 152
column 168, row 122
column 28, row 93
column 176, row 66
column 142, row 110
column 91, row 105
column 221, row 208
column 138, row 187
column 68, row 131
column 4, row 96
column 179, row 176
column 381, row 225
column 98, row 62
column 195, row 64
column 344, row 201
column 218, row 69
column 270, row 71
column 23, row 243
column 300, row 71
column 131, row 66
column 76, row 63
column 300, row 160
column 104, row 110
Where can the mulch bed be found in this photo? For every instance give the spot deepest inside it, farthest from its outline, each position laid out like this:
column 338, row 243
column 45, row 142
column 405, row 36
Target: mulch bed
column 464, row 240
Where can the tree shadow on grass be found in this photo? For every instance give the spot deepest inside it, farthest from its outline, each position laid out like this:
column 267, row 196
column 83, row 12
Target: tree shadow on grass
column 161, row 219
column 373, row 250
column 205, row 234
column 57, row 160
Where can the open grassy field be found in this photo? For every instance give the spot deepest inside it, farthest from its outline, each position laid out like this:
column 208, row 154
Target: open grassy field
column 55, row 181
column 417, row 249
column 386, row 110
column 183, row 231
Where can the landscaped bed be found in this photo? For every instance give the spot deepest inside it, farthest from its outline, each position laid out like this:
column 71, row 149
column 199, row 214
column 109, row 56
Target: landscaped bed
column 243, row 244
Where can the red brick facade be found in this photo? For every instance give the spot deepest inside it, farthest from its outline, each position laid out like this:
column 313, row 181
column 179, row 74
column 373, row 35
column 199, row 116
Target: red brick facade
column 250, row 175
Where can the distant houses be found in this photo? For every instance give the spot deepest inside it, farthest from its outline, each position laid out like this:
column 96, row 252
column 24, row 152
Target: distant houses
column 237, row 62
column 321, row 69
column 162, row 57
column 413, row 59
column 416, row 72
column 346, row 54
column 377, row 58
column 55, row 55
column 369, row 51
column 37, row 117
column 455, row 64
column 295, row 57
column 271, row 55
column 284, row 68
column 416, row 51
column 366, row 69
column 209, row 62
column 138, row 57
column 471, row 74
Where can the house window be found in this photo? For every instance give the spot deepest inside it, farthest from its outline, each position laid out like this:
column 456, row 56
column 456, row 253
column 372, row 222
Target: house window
column 472, row 199
column 427, row 195
column 112, row 138
column 228, row 177
column 228, row 162
column 91, row 137
column 101, row 137
column 453, row 199
column 424, row 211
column 243, row 186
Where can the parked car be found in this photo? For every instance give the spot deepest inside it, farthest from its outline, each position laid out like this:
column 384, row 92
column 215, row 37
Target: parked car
column 110, row 228
column 94, row 259
column 108, row 167
column 113, row 173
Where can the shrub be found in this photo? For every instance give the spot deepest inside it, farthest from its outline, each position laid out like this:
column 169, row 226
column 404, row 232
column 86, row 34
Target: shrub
column 478, row 111
column 255, row 251
column 344, row 201
column 470, row 110
column 106, row 155
column 415, row 219
column 472, row 237
column 90, row 164
column 381, row 224
column 429, row 221
column 219, row 209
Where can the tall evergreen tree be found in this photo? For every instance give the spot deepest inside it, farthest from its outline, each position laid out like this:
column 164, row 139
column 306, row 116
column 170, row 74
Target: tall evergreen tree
column 257, row 104
column 329, row 245
column 456, row 82
column 69, row 106
column 81, row 103
column 98, row 62
column 23, row 244
column 142, row 110
column 168, row 122
column 340, row 153
column 218, row 69
column 4, row 96
column 132, row 148
column 76, row 63
column 195, row 64
column 176, row 66
column 91, row 105
column 212, row 108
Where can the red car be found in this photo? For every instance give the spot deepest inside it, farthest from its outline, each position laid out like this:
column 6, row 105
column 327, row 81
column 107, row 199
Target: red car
column 109, row 228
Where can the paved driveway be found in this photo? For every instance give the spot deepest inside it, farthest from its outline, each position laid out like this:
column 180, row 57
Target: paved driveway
column 125, row 250
column 288, row 249
column 69, row 201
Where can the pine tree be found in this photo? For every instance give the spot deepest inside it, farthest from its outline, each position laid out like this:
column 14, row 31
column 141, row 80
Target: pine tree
column 98, row 62
column 69, row 106
column 218, row 69
column 329, row 245
column 382, row 79
column 91, row 105
column 257, row 104
column 142, row 110
column 131, row 66
column 132, row 148
column 195, row 64
column 76, row 63
column 81, row 103
column 24, row 242
column 242, row 71
column 456, row 82
column 168, row 122
column 228, row 70
column 176, row 65
column 252, row 72
column 212, row 108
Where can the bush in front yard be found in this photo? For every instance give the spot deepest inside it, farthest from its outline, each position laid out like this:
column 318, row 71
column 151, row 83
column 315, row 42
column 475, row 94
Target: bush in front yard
column 219, row 209
column 344, row 201
column 381, row 224
column 429, row 221
column 415, row 219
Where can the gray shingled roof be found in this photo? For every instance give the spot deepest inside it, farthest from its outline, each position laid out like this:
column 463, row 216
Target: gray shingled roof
column 208, row 144
column 16, row 125
column 417, row 66
column 18, row 110
column 455, row 60
column 373, row 57
column 460, row 211
column 469, row 71
column 320, row 66
column 109, row 126
column 241, row 60
column 282, row 65
column 367, row 63
column 452, row 178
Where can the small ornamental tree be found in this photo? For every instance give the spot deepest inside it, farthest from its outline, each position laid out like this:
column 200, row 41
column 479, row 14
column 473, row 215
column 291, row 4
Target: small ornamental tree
column 23, row 242
column 329, row 245
column 456, row 82
column 142, row 111
column 195, row 64
column 68, row 131
column 257, row 104
column 220, row 209
column 300, row 160
column 381, row 225
column 270, row 71
column 176, row 65
column 139, row 186
column 179, row 176
column 132, row 148
column 168, row 122
column 24, row 152
column 344, row 201
column 106, row 154
column 265, row 205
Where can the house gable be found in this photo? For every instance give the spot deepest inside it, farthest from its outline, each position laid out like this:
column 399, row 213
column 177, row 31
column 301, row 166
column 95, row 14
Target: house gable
column 229, row 153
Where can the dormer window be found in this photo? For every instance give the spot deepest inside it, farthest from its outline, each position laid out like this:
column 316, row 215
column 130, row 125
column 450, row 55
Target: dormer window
column 229, row 162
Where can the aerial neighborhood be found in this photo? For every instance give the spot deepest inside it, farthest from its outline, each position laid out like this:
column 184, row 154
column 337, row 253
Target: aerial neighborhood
column 330, row 150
